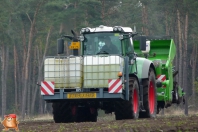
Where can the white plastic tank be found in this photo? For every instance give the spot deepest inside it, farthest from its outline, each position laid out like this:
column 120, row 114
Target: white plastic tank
column 97, row 70
column 65, row 72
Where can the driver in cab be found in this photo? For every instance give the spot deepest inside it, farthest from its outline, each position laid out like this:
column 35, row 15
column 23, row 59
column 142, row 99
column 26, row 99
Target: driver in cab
column 109, row 47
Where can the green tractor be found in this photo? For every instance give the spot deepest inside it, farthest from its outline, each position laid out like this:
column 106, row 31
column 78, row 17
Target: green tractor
column 115, row 71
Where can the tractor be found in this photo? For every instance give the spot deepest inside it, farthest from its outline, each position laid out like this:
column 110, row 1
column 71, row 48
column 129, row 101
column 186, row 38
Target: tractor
column 133, row 79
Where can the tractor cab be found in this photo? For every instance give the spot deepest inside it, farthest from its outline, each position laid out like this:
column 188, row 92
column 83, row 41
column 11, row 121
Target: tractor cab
column 107, row 40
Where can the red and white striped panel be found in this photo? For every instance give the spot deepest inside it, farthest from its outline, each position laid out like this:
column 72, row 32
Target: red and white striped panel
column 161, row 78
column 115, row 86
column 47, row 88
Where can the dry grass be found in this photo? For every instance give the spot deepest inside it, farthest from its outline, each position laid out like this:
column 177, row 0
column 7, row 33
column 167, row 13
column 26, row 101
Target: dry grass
column 177, row 111
column 43, row 117
column 36, row 117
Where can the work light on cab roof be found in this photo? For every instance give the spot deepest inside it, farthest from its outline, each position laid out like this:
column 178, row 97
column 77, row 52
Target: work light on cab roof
column 103, row 28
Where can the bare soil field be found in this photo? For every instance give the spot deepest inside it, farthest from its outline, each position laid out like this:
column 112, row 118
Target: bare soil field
column 109, row 124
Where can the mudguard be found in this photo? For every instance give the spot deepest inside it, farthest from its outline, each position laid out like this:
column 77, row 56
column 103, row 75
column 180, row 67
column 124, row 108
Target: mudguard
column 143, row 66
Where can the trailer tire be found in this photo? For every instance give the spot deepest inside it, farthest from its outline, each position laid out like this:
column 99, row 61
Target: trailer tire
column 84, row 114
column 62, row 112
column 93, row 115
column 176, row 98
column 150, row 98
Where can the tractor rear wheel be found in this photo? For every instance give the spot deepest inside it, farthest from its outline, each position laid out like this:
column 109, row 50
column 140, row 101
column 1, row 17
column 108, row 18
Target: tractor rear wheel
column 119, row 110
column 129, row 109
column 150, row 98
column 134, row 98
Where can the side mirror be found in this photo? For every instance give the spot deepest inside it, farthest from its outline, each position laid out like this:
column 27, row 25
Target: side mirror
column 142, row 43
column 60, row 46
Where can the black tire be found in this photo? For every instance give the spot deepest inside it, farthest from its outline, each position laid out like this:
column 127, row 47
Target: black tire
column 134, row 98
column 84, row 114
column 119, row 110
column 129, row 109
column 176, row 98
column 149, row 97
column 93, row 115
column 62, row 112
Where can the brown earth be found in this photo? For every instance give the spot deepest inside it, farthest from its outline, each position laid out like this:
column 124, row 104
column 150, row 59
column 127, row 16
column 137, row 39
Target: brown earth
column 159, row 124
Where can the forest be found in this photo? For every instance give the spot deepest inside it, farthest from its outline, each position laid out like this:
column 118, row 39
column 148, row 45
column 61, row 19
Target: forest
column 30, row 29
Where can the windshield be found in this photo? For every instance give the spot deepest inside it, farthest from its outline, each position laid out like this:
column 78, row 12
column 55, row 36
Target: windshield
column 101, row 43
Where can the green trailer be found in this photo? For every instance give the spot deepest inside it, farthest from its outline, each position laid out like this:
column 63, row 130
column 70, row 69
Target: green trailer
column 162, row 51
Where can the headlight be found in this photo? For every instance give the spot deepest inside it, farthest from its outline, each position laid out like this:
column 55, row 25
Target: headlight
column 117, row 28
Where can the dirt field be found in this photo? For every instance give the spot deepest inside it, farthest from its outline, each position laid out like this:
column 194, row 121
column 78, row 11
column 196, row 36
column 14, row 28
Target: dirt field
column 108, row 124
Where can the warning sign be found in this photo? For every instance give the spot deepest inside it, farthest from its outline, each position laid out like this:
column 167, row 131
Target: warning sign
column 74, row 45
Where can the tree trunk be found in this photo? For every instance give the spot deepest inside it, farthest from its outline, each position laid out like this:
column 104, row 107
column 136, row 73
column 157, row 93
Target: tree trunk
column 103, row 11
column 185, row 74
column 34, row 73
column 31, row 34
column 180, row 48
column 193, row 63
column 4, row 68
column 22, row 73
column 3, row 81
column 15, row 80
column 40, row 65
column 166, row 23
column 28, row 92
column 145, row 20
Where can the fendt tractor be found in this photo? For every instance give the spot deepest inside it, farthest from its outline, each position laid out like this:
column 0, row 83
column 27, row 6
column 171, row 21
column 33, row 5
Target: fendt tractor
column 134, row 79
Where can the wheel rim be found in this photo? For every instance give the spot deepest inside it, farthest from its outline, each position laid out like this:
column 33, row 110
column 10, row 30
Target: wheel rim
column 151, row 97
column 135, row 101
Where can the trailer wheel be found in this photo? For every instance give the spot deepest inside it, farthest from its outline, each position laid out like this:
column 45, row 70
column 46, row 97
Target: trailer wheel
column 86, row 114
column 62, row 112
column 93, row 114
column 176, row 98
column 150, row 98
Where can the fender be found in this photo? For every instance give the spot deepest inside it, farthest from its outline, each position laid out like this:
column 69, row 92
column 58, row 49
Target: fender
column 143, row 66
